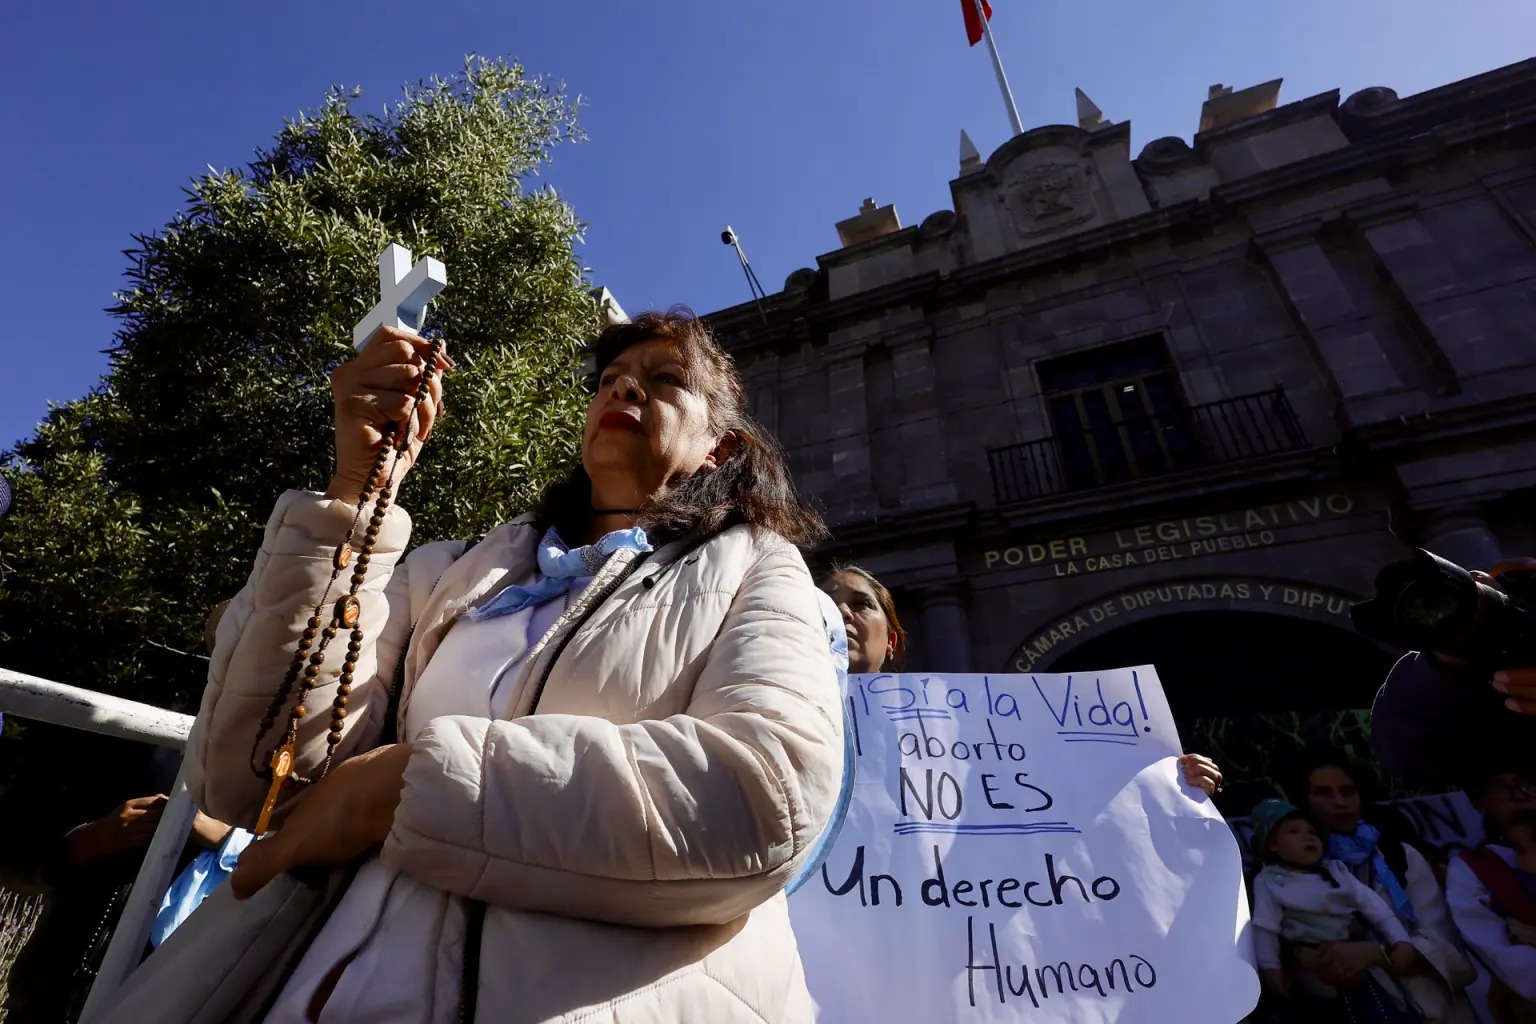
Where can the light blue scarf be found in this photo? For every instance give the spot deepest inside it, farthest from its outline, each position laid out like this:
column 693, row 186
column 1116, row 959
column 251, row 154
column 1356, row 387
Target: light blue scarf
column 196, row 882
column 561, row 567
column 1364, row 845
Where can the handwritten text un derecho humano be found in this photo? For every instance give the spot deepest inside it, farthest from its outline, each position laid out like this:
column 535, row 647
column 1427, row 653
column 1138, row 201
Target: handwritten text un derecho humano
column 985, row 786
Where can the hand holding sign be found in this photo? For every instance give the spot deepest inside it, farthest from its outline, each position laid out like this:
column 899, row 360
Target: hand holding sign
column 1026, row 848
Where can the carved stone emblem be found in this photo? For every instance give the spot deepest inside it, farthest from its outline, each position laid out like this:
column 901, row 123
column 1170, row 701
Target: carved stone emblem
column 1048, row 197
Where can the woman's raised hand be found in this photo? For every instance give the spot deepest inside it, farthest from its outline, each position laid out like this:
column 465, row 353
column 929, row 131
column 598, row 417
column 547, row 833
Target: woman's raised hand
column 373, row 388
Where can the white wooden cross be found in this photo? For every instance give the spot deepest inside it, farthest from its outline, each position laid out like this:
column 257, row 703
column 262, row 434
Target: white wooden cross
column 405, row 292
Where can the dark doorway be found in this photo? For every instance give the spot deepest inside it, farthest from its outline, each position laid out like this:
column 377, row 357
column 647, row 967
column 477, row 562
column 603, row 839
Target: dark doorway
column 1234, row 663
column 1250, row 689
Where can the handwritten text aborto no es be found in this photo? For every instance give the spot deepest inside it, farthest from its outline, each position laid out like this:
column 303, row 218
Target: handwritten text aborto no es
column 1022, row 848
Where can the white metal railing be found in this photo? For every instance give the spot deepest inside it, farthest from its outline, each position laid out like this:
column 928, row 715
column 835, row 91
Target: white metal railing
column 45, row 701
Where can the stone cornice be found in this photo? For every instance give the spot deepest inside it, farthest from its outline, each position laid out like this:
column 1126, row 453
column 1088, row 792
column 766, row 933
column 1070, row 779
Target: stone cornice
column 1437, row 106
column 1322, row 105
column 1083, row 507
column 884, row 531
column 1458, row 422
column 854, row 253
column 1398, row 139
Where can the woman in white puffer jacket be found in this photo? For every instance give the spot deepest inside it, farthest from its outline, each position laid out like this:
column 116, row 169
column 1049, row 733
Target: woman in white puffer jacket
column 629, row 842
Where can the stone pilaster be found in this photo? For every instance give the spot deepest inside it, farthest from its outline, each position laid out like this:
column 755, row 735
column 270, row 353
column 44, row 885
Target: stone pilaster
column 848, row 419
column 1459, row 534
column 1319, row 299
column 946, row 629
column 1422, row 277
column 920, row 424
column 760, row 378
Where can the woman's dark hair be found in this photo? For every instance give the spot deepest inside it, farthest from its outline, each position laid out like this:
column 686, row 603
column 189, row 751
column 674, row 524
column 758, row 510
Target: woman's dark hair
column 751, row 486
column 882, row 597
column 1298, row 783
column 1395, row 830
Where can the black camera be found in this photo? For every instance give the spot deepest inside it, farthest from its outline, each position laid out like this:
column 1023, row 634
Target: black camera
column 1429, row 604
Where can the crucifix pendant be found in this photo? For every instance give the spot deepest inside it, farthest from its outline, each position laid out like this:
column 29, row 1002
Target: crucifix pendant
column 282, row 767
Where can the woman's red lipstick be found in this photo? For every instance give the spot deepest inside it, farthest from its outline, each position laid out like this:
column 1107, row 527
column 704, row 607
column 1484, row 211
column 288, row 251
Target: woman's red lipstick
column 620, row 421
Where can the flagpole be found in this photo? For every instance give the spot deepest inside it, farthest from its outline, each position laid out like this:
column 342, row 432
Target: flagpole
column 997, row 64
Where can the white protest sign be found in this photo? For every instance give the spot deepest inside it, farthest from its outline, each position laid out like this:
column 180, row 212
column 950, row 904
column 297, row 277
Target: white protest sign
column 1021, row 848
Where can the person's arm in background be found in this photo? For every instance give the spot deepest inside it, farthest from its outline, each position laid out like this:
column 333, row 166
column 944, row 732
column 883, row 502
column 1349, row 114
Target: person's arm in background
column 1487, row 933
column 1427, row 900
column 52, row 824
column 1416, row 716
column 1429, row 721
column 1266, row 940
column 1433, row 714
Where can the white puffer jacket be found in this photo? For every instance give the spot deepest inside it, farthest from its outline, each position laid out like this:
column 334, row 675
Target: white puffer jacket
column 633, row 838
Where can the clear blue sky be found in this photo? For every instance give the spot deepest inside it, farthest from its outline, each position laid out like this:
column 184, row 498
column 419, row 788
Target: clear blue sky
column 777, row 116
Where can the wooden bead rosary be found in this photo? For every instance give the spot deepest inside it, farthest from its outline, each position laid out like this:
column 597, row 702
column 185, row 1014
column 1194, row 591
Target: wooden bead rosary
column 346, row 613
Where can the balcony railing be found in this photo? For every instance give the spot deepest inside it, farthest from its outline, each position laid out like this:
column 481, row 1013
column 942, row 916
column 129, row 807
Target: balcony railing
column 1232, row 430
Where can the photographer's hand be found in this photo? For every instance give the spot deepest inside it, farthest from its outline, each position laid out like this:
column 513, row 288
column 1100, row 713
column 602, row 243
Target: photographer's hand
column 1517, row 684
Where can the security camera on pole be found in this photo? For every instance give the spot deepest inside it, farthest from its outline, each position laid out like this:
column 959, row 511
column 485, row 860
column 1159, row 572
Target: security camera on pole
column 728, row 236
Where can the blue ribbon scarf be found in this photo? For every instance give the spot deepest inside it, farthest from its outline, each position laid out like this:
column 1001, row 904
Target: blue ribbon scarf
column 1363, row 845
column 560, row 567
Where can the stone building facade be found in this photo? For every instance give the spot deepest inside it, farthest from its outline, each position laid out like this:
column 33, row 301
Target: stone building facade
column 1113, row 410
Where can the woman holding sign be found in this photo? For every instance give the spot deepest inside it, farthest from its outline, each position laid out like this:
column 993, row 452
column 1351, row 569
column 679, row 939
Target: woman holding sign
column 875, row 637
column 620, row 720
column 877, row 643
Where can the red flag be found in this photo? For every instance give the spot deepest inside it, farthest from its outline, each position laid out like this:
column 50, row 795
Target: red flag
column 973, row 29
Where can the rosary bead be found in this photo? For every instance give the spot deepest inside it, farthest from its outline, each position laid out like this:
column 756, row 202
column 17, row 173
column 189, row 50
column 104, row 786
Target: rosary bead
column 353, row 646
column 338, row 715
column 303, row 646
column 344, row 689
column 317, row 658
column 349, row 610
column 329, row 632
column 310, row 671
column 341, row 700
column 309, row 633
column 351, row 660
column 300, row 711
column 343, row 555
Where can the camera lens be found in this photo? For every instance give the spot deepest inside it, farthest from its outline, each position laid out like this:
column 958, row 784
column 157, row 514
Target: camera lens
column 1429, row 605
